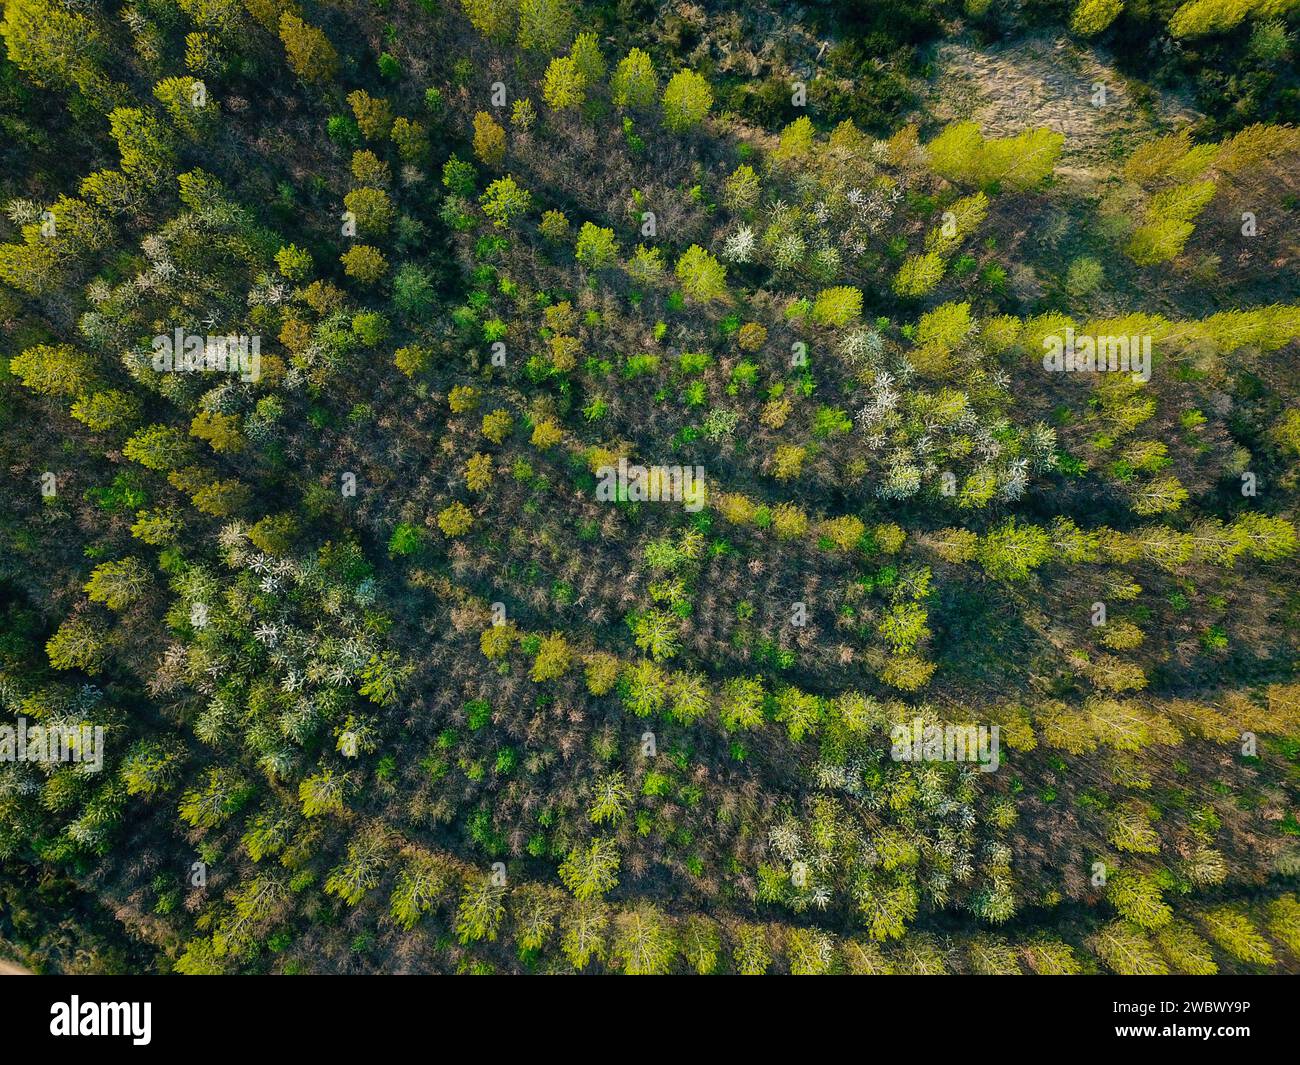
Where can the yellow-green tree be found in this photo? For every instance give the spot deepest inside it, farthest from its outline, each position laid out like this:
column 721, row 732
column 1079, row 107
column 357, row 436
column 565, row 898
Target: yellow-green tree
column 686, row 100
column 307, row 50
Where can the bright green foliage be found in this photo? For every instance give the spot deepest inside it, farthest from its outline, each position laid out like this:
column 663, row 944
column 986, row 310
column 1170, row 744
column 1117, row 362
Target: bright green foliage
column 742, row 703
column 1127, row 951
column 194, row 113
column 595, row 247
column 586, row 56
column 686, row 100
column 480, row 911
column 635, row 83
column 564, row 86
column 54, row 370
column 413, row 359
column 1091, row 17
column 159, row 447
column 364, row 263
column 544, row 25
column 702, row 277
column 1234, row 932
column 1196, row 18
column 423, row 881
column 837, row 307
column 118, row 584
column 505, row 201
column 554, row 657
column 919, row 274
column 107, row 410
column 1013, row 551
column 610, row 799
column 643, row 941
column 961, row 154
column 1159, row 241
column 145, row 145
column 54, row 45
column 1137, row 898
column 294, row 262
column 496, row 19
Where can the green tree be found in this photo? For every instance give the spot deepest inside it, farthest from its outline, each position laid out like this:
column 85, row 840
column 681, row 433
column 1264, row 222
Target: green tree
column 1232, row 930
column 554, row 657
column 159, row 447
column 634, row 83
column 489, row 141
column 644, row 944
column 962, row 155
column 54, row 46
column 585, row 54
column 1092, row 16
column 657, row 633
column 609, row 800
column 150, row 768
column 294, row 262
column 595, row 247
column 360, row 872
column 752, row 953
column 480, row 910
column 374, row 114
column 365, row 263
column 919, row 274
column 589, row 872
column 1159, row 241
column 118, row 584
column 702, row 277
column 563, row 86
column 1137, row 898
column 421, row 885
column 192, row 111
column 504, row 201
column 307, row 50
column 373, row 210
column 838, row 307
column 79, row 643
column 107, row 410
column 742, row 703
column 584, row 927
column 275, row 534
column 686, row 100
column 495, row 19
column 414, row 293
column 322, row 793
column 58, row 370
column 1012, row 551
column 413, row 360
column 544, row 25
column 145, row 145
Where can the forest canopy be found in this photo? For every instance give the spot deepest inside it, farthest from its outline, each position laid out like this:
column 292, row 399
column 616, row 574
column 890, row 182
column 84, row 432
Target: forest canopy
column 523, row 486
